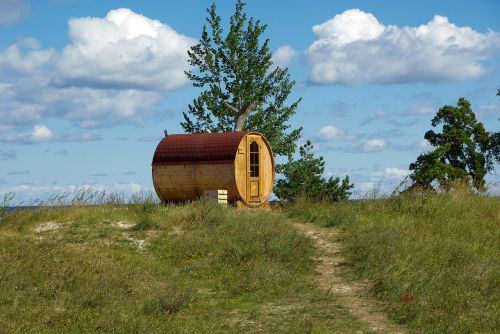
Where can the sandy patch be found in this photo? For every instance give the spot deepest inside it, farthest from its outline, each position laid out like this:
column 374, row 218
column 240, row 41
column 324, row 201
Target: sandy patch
column 139, row 243
column 122, row 224
column 47, row 226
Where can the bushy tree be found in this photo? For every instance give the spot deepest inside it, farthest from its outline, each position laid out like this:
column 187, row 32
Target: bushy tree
column 462, row 150
column 242, row 91
column 494, row 153
column 304, row 177
column 495, row 142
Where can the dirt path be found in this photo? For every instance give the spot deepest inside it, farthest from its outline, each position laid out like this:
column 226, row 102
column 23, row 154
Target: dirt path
column 353, row 295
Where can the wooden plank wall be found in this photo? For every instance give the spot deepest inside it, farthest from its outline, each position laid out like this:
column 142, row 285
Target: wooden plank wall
column 188, row 181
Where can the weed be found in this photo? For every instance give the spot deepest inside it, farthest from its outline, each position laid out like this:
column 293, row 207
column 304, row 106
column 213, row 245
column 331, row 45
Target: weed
column 145, row 223
column 168, row 301
column 5, row 205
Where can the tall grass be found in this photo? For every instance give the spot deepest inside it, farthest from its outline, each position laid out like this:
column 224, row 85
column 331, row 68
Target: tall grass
column 432, row 257
column 5, row 205
column 144, row 267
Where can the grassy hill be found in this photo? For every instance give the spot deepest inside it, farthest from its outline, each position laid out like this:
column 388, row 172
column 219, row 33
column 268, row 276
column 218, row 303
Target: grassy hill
column 434, row 258
column 197, row 268
column 201, row 268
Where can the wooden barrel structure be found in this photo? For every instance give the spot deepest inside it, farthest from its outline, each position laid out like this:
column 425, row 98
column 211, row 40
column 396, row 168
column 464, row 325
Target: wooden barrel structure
column 186, row 165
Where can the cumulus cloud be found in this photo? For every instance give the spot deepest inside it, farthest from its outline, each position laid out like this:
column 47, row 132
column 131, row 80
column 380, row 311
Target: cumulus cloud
column 331, row 132
column 283, row 56
column 114, row 70
column 24, row 57
column 374, row 145
column 38, row 134
column 12, row 11
column 355, row 48
column 90, row 108
column 328, row 133
column 124, row 49
column 28, row 96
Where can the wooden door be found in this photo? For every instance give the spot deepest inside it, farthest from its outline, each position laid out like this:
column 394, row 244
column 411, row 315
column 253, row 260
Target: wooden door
column 254, row 172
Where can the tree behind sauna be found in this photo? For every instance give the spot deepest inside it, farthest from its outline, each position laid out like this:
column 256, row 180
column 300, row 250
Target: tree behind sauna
column 462, row 150
column 304, row 178
column 241, row 89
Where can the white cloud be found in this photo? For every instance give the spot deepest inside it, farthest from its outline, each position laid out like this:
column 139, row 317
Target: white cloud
column 355, row 48
column 328, row 133
column 283, row 56
column 41, row 133
column 24, row 58
column 350, row 26
column 89, row 107
column 114, row 70
column 124, row 49
column 129, row 187
column 331, row 132
column 29, row 98
column 12, row 11
column 38, row 134
column 374, row 145
column 396, row 173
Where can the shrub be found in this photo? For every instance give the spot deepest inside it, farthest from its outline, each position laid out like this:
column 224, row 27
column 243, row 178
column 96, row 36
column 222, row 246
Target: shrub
column 304, row 178
column 145, row 223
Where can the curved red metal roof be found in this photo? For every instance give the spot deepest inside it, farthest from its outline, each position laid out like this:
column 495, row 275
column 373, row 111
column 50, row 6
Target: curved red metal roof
column 217, row 147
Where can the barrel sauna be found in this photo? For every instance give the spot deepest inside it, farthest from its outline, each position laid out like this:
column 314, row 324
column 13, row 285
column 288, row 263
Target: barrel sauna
column 186, row 165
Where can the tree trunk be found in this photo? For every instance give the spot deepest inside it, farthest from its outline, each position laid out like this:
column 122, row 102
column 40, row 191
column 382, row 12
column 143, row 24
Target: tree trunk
column 240, row 121
column 242, row 116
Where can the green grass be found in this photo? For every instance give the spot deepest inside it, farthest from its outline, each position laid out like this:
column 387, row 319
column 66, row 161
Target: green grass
column 196, row 268
column 433, row 258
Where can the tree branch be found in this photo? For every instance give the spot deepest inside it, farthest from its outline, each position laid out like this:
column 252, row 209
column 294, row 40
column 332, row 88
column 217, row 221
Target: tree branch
column 230, row 107
column 242, row 115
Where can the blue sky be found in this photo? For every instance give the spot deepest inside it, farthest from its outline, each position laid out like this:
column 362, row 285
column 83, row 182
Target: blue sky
column 87, row 87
